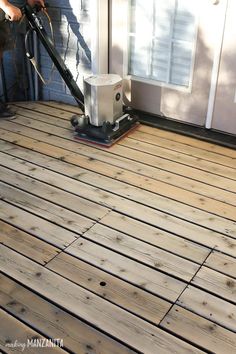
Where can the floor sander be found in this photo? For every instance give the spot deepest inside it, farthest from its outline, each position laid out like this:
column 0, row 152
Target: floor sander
column 104, row 119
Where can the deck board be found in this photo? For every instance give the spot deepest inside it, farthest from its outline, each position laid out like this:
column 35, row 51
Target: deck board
column 118, row 291
column 38, row 129
column 222, row 263
column 203, row 145
column 127, row 269
column 210, row 306
column 128, row 250
column 188, row 155
column 140, row 251
column 54, row 322
column 212, row 162
column 26, row 244
column 123, row 205
column 153, row 179
column 131, row 330
column 13, row 329
column 199, row 330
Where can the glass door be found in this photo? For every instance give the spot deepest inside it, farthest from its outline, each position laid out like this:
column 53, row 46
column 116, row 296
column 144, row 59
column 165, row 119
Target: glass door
column 164, row 50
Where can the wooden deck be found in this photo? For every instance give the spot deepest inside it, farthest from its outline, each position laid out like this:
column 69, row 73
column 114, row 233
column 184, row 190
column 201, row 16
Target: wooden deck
column 123, row 250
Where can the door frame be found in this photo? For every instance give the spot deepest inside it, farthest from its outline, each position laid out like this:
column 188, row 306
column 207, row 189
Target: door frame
column 216, row 69
column 99, row 36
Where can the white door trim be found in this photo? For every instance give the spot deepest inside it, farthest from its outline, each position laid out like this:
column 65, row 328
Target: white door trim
column 216, row 66
column 99, row 36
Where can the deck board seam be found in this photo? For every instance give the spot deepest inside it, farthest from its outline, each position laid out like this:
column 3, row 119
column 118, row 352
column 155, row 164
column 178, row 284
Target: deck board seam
column 189, row 282
column 176, row 303
column 82, row 233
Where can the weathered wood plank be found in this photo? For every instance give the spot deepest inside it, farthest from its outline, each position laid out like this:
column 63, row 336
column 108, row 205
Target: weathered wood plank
column 222, row 263
column 217, row 283
column 60, row 105
column 158, row 202
column 26, row 244
column 142, row 252
column 128, row 328
column 57, row 121
column 59, row 197
column 200, row 331
column 157, row 237
column 119, row 292
column 189, row 155
column 151, row 214
column 209, row 306
column 53, row 111
column 189, row 231
column 147, row 233
column 221, row 165
column 150, row 184
column 44, row 230
column 190, row 141
column 136, row 273
column 132, row 190
column 137, row 229
column 128, row 207
column 157, row 132
column 44, row 209
column 162, row 133
column 160, row 169
column 52, row 321
column 180, row 167
column 16, row 337
column 134, row 227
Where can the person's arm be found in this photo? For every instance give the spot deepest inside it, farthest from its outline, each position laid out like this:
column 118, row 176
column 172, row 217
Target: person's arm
column 12, row 11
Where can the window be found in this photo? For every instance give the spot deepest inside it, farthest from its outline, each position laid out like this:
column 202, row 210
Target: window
column 162, row 37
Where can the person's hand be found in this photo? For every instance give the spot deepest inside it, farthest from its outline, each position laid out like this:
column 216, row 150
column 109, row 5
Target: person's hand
column 13, row 13
column 32, row 3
